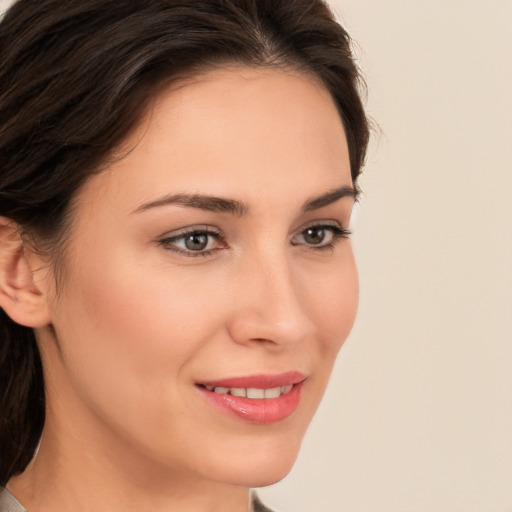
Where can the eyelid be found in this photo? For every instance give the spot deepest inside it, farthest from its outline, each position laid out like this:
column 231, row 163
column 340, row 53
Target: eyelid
column 334, row 224
column 320, row 222
column 337, row 230
column 168, row 239
column 193, row 228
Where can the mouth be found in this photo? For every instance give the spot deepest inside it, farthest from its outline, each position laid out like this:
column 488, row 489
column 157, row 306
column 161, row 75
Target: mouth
column 252, row 393
column 260, row 399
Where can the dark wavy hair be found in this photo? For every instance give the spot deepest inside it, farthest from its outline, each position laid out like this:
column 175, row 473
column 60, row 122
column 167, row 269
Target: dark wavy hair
column 76, row 76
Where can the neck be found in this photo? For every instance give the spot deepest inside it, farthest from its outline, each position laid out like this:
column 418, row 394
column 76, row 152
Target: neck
column 84, row 476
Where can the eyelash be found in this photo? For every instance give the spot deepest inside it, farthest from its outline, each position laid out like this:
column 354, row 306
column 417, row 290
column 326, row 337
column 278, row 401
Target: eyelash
column 337, row 233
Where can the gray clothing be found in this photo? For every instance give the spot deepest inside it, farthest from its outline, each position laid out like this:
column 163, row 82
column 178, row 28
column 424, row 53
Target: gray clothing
column 8, row 503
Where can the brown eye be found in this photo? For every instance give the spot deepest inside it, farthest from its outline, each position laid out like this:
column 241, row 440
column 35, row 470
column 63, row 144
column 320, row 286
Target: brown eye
column 314, row 235
column 196, row 241
column 322, row 236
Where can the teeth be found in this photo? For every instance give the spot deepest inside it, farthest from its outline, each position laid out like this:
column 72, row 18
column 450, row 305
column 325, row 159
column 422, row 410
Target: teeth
column 286, row 389
column 254, row 393
column 273, row 393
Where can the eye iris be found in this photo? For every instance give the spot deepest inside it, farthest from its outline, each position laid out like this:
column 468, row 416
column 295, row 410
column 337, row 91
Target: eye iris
column 196, row 242
column 314, row 236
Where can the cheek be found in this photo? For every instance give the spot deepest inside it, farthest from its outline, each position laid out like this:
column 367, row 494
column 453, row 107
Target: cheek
column 127, row 333
column 129, row 338
column 332, row 303
column 150, row 320
column 335, row 305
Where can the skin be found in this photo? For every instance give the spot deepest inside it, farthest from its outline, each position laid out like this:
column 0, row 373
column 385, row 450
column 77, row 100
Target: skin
column 136, row 324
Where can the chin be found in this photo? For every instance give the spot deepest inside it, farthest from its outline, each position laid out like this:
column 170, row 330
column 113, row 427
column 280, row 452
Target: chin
column 261, row 476
column 263, row 466
column 269, row 478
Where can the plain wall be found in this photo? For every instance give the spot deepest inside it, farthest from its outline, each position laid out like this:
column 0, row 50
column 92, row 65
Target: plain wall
column 418, row 416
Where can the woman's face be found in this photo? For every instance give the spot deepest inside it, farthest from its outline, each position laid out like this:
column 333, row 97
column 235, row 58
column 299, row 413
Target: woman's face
column 208, row 263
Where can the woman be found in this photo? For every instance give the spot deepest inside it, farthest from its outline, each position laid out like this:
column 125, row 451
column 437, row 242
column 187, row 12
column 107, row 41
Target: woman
column 176, row 277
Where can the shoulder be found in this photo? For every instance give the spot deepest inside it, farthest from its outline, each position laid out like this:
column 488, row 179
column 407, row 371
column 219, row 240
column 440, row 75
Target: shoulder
column 8, row 503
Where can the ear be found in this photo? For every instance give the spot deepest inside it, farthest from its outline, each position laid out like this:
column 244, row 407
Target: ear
column 20, row 297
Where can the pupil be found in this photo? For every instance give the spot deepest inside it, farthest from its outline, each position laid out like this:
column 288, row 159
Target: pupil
column 314, row 235
column 196, row 242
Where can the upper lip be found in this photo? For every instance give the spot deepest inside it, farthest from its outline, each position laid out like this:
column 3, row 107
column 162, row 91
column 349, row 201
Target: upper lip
column 260, row 381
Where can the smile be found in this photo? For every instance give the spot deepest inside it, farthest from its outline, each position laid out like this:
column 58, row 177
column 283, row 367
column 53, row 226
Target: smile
column 261, row 399
column 252, row 393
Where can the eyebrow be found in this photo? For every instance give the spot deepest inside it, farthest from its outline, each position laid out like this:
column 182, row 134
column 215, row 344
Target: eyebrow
column 202, row 202
column 330, row 197
column 237, row 208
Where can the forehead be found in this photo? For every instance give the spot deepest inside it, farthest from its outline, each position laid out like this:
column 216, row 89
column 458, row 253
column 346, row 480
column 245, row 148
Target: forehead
column 233, row 129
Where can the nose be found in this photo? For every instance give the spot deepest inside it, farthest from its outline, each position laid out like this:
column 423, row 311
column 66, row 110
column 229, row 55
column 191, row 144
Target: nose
column 269, row 305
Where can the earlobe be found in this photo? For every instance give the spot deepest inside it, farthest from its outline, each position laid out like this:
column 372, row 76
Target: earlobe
column 20, row 297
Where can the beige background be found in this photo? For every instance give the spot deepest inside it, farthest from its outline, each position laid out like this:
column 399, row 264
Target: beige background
column 418, row 416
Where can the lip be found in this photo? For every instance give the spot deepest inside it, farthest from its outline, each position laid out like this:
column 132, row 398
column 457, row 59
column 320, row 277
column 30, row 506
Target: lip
column 258, row 411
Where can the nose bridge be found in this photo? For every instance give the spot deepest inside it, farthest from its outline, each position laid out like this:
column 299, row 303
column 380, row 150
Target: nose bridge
column 270, row 306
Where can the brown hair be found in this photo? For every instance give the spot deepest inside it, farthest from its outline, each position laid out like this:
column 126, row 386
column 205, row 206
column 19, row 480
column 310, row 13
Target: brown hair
column 75, row 77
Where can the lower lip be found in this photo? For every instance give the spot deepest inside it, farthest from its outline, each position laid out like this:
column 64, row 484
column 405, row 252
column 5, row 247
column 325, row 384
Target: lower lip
column 261, row 411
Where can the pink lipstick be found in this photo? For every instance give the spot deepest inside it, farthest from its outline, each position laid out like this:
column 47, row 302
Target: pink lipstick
column 259, row 399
